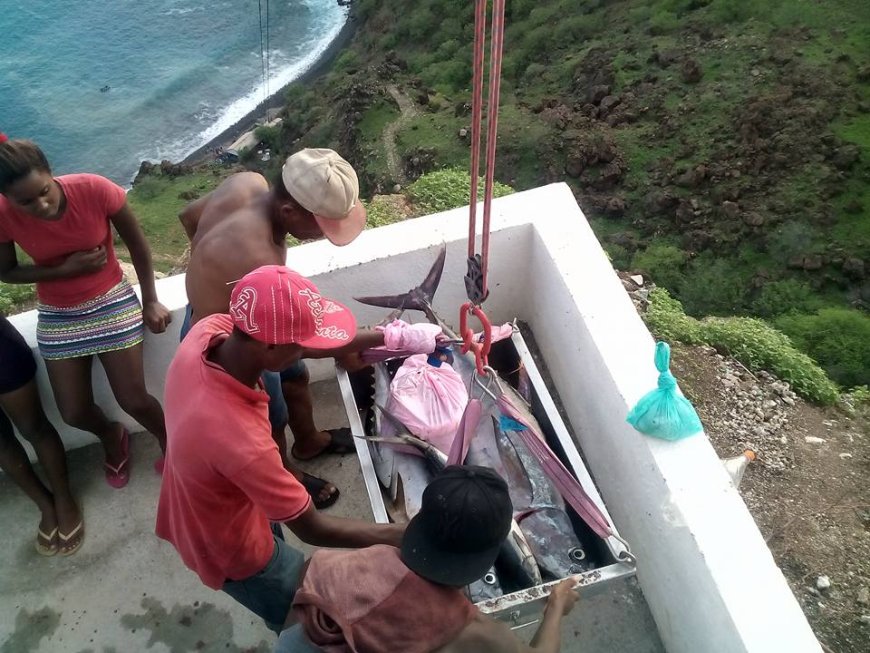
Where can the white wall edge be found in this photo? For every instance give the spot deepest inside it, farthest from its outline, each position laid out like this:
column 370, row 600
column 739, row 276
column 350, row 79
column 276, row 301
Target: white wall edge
column 710, row 580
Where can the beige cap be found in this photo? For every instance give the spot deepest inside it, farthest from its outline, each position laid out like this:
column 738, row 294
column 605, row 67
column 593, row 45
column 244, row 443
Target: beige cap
column 325, row 184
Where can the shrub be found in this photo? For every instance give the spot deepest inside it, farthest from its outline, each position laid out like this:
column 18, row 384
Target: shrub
column 788, row 295
column 838, row 338
column 448, row 188
column 347, row 61
column 663, row 263
column 761, row 347
column 752, row 342
column 269, row 136
column 13, row 298
column 381, row 211
column 713, row 286
column 668, row 321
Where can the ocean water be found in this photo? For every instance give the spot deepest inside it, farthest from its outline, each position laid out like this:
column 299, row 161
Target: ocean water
column 179, row 73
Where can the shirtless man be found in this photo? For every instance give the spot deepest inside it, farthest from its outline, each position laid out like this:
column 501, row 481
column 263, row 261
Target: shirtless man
column 243, row 224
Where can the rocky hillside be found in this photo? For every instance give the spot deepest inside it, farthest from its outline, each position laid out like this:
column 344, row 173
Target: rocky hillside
column 722, row 146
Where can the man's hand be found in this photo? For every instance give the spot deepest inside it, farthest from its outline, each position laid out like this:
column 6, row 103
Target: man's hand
column 352, row 362
column 86, row 262
column 563, row 597
column 156, row 316
column 419, row 338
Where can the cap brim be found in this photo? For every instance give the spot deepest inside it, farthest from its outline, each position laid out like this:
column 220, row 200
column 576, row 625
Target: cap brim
column 338, row 327
column 344, row 231
column 443, row 567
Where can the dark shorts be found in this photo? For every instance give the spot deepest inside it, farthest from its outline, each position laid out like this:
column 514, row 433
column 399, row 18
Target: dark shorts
column 269, row 593
column 271, row 382
column 17, row 365
column 293, row 640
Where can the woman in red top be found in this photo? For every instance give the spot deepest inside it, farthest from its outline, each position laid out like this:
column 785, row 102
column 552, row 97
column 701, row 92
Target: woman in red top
column 86, row 306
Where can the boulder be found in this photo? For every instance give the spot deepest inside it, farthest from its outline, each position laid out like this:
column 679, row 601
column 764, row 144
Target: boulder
column 684, row 213
column 691, row 71
column 598, row 92
column 730, row 210
column 753, row 219
column 607, row 104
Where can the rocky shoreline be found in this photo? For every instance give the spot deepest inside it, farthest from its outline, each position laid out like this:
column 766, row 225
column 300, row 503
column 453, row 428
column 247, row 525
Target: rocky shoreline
column 276, row 100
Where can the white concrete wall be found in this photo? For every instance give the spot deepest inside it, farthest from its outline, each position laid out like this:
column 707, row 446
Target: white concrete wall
column 711, row 582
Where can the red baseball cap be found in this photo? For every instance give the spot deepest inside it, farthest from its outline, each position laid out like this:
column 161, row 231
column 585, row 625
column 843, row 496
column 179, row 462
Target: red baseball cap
column 275, row 305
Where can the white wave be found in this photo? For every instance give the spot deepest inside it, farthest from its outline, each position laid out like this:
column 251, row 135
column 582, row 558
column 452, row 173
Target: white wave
column 237, row 110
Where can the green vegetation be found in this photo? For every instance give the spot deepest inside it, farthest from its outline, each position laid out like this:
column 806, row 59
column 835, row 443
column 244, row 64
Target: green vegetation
column 15, row 298
column 837, row 338
column 751, row 341
column 447, row 189
column 768, row 99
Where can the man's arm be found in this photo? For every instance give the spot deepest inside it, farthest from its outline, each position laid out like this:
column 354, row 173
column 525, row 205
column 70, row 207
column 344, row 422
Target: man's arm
column 191, row 214
column 156, row 315
column 487, row 634
column 317, row 529
column 76, row 264
column 364, row 339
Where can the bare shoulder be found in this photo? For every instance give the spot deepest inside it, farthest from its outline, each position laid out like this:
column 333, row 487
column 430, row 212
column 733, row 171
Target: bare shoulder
column 484, row 634
column 235, row 192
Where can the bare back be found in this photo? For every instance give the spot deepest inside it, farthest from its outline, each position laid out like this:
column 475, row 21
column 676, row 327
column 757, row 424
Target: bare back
column 233, row 235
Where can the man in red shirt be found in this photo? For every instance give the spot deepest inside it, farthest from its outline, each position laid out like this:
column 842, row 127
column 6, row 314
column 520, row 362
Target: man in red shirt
column 223, row 481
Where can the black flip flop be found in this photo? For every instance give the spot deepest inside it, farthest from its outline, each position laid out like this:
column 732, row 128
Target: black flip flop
column 315, row 485
column 340, row 442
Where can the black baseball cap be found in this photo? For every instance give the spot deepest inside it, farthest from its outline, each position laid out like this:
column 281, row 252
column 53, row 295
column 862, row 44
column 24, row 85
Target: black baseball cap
column 465, row 516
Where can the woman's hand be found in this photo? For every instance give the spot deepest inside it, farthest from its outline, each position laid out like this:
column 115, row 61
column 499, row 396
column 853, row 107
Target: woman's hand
column 87, row 262
column 156, row 316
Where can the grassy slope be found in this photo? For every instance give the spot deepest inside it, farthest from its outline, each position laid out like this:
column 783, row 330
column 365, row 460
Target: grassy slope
column 555, row 50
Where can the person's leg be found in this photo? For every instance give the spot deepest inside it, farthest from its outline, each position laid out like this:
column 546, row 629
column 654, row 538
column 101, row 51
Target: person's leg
column 126, row 373
column 186, row 324
column 323, row 492
column 277, row 413
column 269, row 593
column 73, row 393
column 25, row 410
column 14, row 462
column 308, row 440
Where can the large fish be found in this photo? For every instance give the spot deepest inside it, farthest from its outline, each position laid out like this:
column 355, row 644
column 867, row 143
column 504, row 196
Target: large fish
column 544, row 528
column 516, row 562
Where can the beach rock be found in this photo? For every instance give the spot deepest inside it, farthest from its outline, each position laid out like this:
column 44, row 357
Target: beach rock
column 811, row 439
column 864, row 596
column 823, row 582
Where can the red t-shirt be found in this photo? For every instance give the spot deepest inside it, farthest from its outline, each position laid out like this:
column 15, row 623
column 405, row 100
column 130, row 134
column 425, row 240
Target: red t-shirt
column 223, row 481
column 84, row 225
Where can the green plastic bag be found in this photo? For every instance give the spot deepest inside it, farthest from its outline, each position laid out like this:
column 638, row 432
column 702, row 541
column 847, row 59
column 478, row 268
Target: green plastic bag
column 664, row 413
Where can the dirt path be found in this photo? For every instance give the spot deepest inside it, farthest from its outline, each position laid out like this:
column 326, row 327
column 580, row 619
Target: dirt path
column 409, row 110
column 808, row 491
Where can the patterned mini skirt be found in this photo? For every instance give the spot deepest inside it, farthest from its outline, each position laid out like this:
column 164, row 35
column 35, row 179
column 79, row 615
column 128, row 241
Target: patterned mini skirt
column 106, row 323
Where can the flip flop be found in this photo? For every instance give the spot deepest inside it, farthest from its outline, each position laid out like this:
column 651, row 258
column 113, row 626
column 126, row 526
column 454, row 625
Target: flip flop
column 340, row 442
column 66, row 538
column 315, row 486
column 43, row 550
column 119, row 476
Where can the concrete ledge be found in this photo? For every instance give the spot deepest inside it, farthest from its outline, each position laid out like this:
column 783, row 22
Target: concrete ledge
column 711, row 583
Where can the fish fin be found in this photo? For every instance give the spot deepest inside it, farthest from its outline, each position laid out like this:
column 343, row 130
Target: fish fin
column 417, row 299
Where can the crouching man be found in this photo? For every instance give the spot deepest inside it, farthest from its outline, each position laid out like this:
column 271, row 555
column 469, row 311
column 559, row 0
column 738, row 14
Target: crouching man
column 224, row 481
column 409, row 598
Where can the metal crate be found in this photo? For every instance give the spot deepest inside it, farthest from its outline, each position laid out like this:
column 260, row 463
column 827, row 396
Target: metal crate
column 523, row 608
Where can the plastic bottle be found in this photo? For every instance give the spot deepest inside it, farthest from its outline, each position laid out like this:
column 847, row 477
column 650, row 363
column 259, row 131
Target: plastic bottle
column 737, row 465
